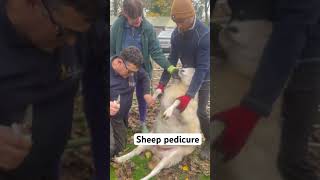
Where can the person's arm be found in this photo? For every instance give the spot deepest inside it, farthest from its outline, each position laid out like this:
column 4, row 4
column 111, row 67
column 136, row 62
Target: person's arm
column 113, row 37
column 201, row 71
column 284, row 48
column 281, row 53
column 144, row 78
column 173, row 59
column 202, row 65
column 156, row 51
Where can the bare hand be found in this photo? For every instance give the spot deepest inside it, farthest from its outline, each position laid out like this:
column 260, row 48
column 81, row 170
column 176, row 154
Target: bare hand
column 14, row 147
column 150, row 100
column 114, row 108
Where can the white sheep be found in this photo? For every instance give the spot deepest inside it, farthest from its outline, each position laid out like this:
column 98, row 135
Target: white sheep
column 170, row 120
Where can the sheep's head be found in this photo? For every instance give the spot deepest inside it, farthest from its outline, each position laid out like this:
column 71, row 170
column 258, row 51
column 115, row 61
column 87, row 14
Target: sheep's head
column 186, row 75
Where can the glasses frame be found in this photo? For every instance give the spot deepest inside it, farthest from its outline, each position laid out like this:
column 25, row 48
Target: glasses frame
column 126, row 66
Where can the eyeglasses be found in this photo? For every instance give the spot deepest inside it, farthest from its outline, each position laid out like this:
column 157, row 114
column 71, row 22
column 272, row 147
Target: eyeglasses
column 126, row 66
column 61, row 31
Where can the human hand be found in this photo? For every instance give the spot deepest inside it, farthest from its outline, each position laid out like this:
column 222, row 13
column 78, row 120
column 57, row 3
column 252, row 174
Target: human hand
column 14, row 147
column 174, row 72
column 114, row 108
column 184, row 101
column 160, row 88
column 238, row 122
column 150, row 100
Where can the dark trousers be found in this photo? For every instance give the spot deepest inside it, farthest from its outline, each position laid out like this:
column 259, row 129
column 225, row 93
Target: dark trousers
column 118, row 135
column 203, row 97
column 52, row 174
column 300, row 110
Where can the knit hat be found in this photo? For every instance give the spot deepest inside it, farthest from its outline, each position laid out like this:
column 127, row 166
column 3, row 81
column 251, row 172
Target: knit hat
column 182, row 9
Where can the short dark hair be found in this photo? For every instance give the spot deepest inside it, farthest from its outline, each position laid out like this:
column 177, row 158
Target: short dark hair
column 133, row 8
column 132, row 55
column 90, row 9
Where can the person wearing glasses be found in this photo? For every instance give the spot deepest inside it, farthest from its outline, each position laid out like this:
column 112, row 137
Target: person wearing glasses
column 125, row 72
column 46, row 47
column 131, row 28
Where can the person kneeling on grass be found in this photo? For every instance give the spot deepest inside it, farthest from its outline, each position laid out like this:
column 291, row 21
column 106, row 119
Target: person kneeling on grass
column 125, row 71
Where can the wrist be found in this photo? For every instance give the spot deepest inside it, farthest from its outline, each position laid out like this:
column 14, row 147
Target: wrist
column 184, row 101
column 241, row 113
column 256, row 105
column 187, row 97
column 160, row 86
column 249, row 111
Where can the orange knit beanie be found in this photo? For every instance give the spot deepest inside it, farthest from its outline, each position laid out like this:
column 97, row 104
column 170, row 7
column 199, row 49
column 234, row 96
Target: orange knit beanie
column 182, row 9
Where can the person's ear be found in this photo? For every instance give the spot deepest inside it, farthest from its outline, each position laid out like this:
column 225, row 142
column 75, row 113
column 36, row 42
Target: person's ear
column 119, row 62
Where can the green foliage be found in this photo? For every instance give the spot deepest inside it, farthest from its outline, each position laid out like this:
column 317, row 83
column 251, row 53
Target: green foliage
column 141, row 167
column 203, row 177
column 158, row 7
column 115, row 7
column 113, row 173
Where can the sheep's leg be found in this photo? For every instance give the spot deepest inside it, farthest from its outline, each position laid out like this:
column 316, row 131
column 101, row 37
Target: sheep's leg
column 168, row 112
column 169, row 160
column 131, row 154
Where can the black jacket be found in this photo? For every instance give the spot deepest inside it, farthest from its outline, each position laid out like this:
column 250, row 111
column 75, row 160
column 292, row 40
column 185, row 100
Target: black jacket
column 30, row 76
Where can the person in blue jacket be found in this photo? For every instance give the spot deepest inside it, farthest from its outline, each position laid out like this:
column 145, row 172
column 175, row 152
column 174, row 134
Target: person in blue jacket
column 125, row 71
column 190, row 42
column 290, row 64
column 47, row 47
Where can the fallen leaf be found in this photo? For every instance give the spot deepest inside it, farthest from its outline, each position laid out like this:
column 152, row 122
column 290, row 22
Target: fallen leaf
column 185, row 168
column 148, row 155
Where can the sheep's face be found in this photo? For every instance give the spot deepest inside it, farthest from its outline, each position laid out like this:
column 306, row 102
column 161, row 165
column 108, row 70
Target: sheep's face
column 186, row 75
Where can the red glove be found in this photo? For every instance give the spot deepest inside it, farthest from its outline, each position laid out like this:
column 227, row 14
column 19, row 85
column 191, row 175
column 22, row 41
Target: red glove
column 184, row 101
column 239, row 123
column 161, row 87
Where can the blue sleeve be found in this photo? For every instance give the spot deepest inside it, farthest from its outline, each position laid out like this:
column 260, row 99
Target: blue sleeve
column 173, row 59
column 144, row 78
column 95, row 94
column 281, row 53
column 202, row 65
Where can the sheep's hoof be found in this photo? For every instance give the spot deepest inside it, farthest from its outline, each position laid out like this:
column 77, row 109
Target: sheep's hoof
column 119, row 160
column 168, row 113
